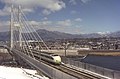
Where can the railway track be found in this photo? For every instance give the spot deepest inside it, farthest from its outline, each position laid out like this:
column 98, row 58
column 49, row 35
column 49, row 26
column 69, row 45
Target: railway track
column 71, row 71
column 76, row 73
column 83, row 73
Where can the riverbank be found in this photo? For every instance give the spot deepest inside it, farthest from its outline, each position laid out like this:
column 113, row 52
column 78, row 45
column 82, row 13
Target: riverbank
column 99, row 52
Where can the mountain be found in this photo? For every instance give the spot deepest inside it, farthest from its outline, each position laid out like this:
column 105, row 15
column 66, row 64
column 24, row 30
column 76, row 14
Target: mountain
column 45, row 34
column 114, row 34
column 92, row 35
column 52, row 35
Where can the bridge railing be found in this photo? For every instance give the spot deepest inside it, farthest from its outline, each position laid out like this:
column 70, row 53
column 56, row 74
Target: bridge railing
column 114, row 74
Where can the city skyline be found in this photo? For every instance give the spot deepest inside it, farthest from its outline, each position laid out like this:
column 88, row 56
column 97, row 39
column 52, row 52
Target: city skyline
column 69, row 16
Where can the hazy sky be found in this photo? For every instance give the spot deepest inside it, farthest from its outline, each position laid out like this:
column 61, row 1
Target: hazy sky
column 70, row 16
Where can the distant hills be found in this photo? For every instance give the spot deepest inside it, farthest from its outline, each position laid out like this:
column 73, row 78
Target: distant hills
column 114, row 34
column 52, row 35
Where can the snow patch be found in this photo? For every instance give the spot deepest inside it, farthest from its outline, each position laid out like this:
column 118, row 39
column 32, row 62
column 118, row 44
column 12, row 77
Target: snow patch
column 103, row 33
column 18, row 73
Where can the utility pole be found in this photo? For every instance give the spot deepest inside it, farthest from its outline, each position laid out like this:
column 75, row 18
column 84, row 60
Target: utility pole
column 11, row 28
column 66, row 47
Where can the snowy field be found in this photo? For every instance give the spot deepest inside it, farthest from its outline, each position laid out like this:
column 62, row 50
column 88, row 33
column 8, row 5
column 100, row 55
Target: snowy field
column 18, row 73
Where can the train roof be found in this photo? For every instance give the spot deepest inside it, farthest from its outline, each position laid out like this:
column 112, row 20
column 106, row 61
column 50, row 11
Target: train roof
column 50, row 54
column 47, row 53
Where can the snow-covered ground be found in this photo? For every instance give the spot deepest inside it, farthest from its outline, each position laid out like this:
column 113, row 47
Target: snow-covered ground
column 18, row 73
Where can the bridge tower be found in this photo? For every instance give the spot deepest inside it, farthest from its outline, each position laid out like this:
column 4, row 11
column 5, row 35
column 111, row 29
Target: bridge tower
column 15, row 24
column 20, row 26
column 11, row 28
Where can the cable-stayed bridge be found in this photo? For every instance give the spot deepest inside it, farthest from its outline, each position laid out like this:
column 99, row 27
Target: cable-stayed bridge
column 26, row 45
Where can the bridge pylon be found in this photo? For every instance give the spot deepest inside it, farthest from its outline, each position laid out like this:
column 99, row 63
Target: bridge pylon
column 20, row 26
column 11, row 28
column 15, row 23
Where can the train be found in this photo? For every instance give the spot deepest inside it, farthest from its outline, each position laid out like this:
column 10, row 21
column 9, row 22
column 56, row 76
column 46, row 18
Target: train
column 49, row 57
column 53, row 58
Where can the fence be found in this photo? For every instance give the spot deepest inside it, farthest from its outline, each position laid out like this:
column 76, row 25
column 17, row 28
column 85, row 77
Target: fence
column 100, row 70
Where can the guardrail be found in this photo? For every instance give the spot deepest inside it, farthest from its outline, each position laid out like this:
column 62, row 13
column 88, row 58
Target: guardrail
column 100, row 70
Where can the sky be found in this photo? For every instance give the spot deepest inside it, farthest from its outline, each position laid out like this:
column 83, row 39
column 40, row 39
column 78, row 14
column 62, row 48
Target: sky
column 69, row 16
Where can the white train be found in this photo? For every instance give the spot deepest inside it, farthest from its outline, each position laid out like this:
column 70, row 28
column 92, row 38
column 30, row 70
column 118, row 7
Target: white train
column 50, row 57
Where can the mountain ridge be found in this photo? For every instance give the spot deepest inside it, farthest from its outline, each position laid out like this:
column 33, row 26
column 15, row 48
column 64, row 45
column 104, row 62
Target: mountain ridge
column 52, row 35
